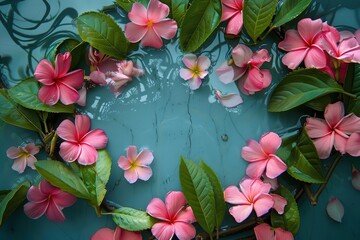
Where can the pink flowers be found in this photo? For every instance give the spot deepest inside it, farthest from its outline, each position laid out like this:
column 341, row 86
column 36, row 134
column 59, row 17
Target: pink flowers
column 175, row 217
column 23, row 156
column 58, row 83
column 229, row 100
column 333, row 131
column 197, row 69
column 118, row 234
column 48, row 200
column 264, row 231
column 245, row 67
column 262, row 156
column 150, row 25
column 353, row 143
column 232, row 9
column 80, row 144
column 135, row 164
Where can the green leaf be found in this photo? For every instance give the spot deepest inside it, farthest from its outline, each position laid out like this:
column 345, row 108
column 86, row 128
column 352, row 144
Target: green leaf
column 288, row 143
column 320, row 103
column 96, row 176
column 132, row 219
column 63, row 177
column 305, row 164
column 352, row 85
column 177, row 9
column 3, row 193
column 199, row 193
column 290, row 220
column 25, row 93
column 200, row 20
column 127, row 4
column 103, row 33
column 12, row 200
column 257, row 16
column 218, row 193
column 67, row 45
column 16, row 115
column 301, row 86
column 289, row 10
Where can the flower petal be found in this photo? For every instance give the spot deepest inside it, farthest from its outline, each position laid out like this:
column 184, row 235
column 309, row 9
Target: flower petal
column 229, row 100
column 35, row 195
column 67, row 131
column 349, row 124
column 62, row 64
column 46, row 188
column 259, row 57
column 241, row 212
column 186, row 74
column 103, row 234
column 270, row 142
column 45, row 72
column 184, row 231
column 324, row 145
column 355, row 178
column 317, row 128
column 131, row 152
column 263, row 231
column 145, row 157
column 32, row 148
column 69, row 151
column 279, row 203
column 157, row 10
column 281, row 234
column 293, row 59
column 88, row 155
column 19, row 164
column 241, row 55
column 124, row 234
column 68, row 95
column 30, row 161
column 234, row 196
column 96, row 138
column 235, row 24
column 82, row 125
column 144, row 172
column 151, row 39
column 334, row 113
column 138, row 14
column 203, row 62
column 263, row 204
column 353, row 143
column 82, row 99
column 54, row 213
column 230, row 73
column 190, row 60
column 98, row 78
column 195, row 83
column 256, row 169
column 253, row 152
column 174, row 201
column 163, row 230
column 308, row 29
column 186, row 215
column 63, row 199
column 227, row 11
column 275, row 167
column 49, row 95
column 292, row 41
column 14, row 152
column 124, row 163
column 74, row 79
column 315, row 58
column 134, row 33
column 35, row 210
column 131, row 175
column 340, row 142
column 335, row 209
column 166, row 28
column 157, row 209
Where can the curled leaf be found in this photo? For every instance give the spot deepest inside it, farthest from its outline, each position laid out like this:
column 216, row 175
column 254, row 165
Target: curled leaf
column 335, row 209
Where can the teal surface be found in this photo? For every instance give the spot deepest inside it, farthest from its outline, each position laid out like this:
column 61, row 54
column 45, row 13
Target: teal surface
column 158, row 111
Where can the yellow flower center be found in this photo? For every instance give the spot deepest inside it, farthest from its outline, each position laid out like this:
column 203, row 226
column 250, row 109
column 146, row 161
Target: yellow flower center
column 196, row 71
column 150, row 24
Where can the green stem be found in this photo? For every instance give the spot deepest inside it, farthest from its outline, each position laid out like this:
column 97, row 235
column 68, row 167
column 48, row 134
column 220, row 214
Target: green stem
column 350, row 94
column 53, row 145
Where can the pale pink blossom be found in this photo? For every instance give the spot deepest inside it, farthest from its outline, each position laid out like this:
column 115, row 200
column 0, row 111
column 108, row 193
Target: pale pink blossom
column 254, row 194
column 233, row 10
column 175, row 217
column 262, row 156
column 305, row 44
column 279, row 203
column 80, row 143
column 335, row 209
column 333, row 131
column 49, row 200
column 150, row 25
column 229, row 100
column 58, row 83
column 100, row 64
column 272, row 181
column 264, row 231
column 245, row 67
column 136, row 164
column 23, row 156
column 353, row 145
column 82, row 99
column 355, row 178
column 196, row 69
column 118, row 234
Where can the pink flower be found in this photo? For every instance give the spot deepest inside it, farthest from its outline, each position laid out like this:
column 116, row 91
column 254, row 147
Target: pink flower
column 262, row 156
column 176, row 217
column 335, row 209
column 304, row 45
column 229, row 100
column 333, row 131
column 355, row 178
column 353, row 145
column 150, row 25
column 197, row 69
column 49, row 200
column 264, row 231
column 58, row 83
column 80, row 144
column 254, row 194
column 245, row 67
column 23, row 156
column 100, row 64
column 118, row 234
column 135, row 164
column 232, row 9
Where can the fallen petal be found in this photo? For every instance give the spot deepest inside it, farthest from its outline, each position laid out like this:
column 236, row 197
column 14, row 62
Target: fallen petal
column 355, row 178
column 335, row 209
column 229, row 100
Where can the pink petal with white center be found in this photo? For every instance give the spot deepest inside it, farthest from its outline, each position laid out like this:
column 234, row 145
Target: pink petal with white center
column 263, row 204
column 315, row 58
column 62, row 64
column 184, row 231
column 234, row 196
column 103, row 234
column 166, row 28
column 88, row 155
column 349, row 124
column 67, row 131
column 203, row 62
column 49, row 95
column 335, row 209
column 68, row 95
column 82, row 100
column 334, row 113
column 45, row 72
column 324, row 145
column 82, row 125
column 145, row 157
column 186, row 74
column 293, row 59
column 317, row 128
column 253, row 152
column 144, row 172
column 19, row 164
column 124, row 163
column 279, row 203
column 138, row 14
column 235, row 24
column 241, row 212
column 355, row 178
column 157, row 209
column 340, row 142
column 174, row 201
column 35, row 210
column 131, row 175
column 32, row 148
column 190, row 60
column 74, row 79
column 186, row 215
column 157, row 10
column 241, row 55
column 292, row 42
column 151, row 39
column 96, row 138
column 229, row 100
column 14, row 152
column 227, row 12
column 275, row 167
column 54, row 213
column 270, row 142
column 308, row 29
column 63, row 199
column 195, row 83
column 35, row 195
column 256, row 169
column 281, row 234
column 228, row 74
column 352, row 145
column 69, row 151
column 98, row 78
column 134, row 33
column 31, row 161
column 163, row 230
column 263, row 231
